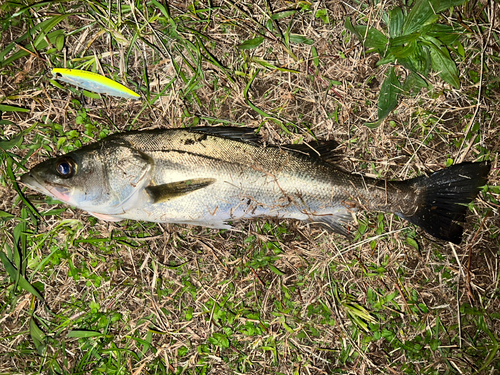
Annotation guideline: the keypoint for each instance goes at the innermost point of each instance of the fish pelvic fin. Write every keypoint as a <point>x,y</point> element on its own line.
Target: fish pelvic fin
<point>166,192</point>
<point>443,198</point>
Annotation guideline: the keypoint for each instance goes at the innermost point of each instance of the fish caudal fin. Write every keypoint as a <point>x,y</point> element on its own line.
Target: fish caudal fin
<point>444,196</point>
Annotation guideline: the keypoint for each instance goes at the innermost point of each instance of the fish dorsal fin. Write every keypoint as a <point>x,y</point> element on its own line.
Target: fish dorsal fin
<point>325,150</point>
<point>166,192</point>
<point>231,132</point>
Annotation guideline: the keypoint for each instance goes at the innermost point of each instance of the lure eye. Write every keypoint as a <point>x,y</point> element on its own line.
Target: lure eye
<point>65,167</point>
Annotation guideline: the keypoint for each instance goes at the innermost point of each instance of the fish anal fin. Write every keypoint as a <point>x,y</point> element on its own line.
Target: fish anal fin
<point>335,222</point>
<point>166,192</point>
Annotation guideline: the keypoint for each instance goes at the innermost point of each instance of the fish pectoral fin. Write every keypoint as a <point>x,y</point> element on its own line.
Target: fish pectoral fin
<point>166,192</point>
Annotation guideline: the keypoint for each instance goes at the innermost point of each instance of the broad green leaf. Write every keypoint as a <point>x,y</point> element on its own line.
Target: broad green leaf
<point>389,93</point>
<point>422,13</point>
<point>395,22</point>
<point>409,63</point>
<point>388,99</point>
<point>448,35</point>
<point>251,43</point>
<point>11,108</point>
<point>419,61</point>
<point>444,65</point>
<point>442,5</point>
<point>404,39</point>
<point>372,38</point>
<point>410,241</point>
<point>404,51</point>
<point>14,274</point>
<point>387,60</point>
<point>300,39</point>
<point>424,57</point>
<point>376,40</point>
<point>413,84</point>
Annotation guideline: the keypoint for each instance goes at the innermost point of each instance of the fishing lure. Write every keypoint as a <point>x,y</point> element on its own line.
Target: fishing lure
<point>93,82</point>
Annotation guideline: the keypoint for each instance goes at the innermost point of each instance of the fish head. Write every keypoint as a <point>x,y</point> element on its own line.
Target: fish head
<point>105,179</point>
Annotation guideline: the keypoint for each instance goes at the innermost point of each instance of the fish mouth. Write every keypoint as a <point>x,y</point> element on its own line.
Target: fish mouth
<point>56,191</point>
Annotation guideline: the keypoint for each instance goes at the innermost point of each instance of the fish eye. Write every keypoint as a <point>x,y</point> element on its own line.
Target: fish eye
<point>65,167</point>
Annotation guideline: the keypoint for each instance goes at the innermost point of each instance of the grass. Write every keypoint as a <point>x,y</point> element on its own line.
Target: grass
<point>80,296</point>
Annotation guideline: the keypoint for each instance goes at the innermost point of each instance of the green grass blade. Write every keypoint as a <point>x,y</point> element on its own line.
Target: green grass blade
<point>44,26</point>
<point>260,111</point>
<point>14,142</point>
<point>300,39</point>
<point>11,108</point>
<point>15,274</point>
<point>81,333</point>
<point>13,180</point>
<point>38,336</point>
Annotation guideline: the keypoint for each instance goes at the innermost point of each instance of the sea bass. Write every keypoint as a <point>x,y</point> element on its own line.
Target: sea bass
<point>212,176</point>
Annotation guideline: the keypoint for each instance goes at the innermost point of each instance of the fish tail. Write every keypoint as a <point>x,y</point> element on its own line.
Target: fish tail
<point>443,198</point>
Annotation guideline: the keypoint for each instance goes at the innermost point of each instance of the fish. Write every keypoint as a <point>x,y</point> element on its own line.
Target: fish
<point>93,82</point>
<point>216,176</point>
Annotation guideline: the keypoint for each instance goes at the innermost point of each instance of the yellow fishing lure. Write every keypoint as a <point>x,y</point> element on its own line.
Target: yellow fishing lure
<point>93,82</point>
